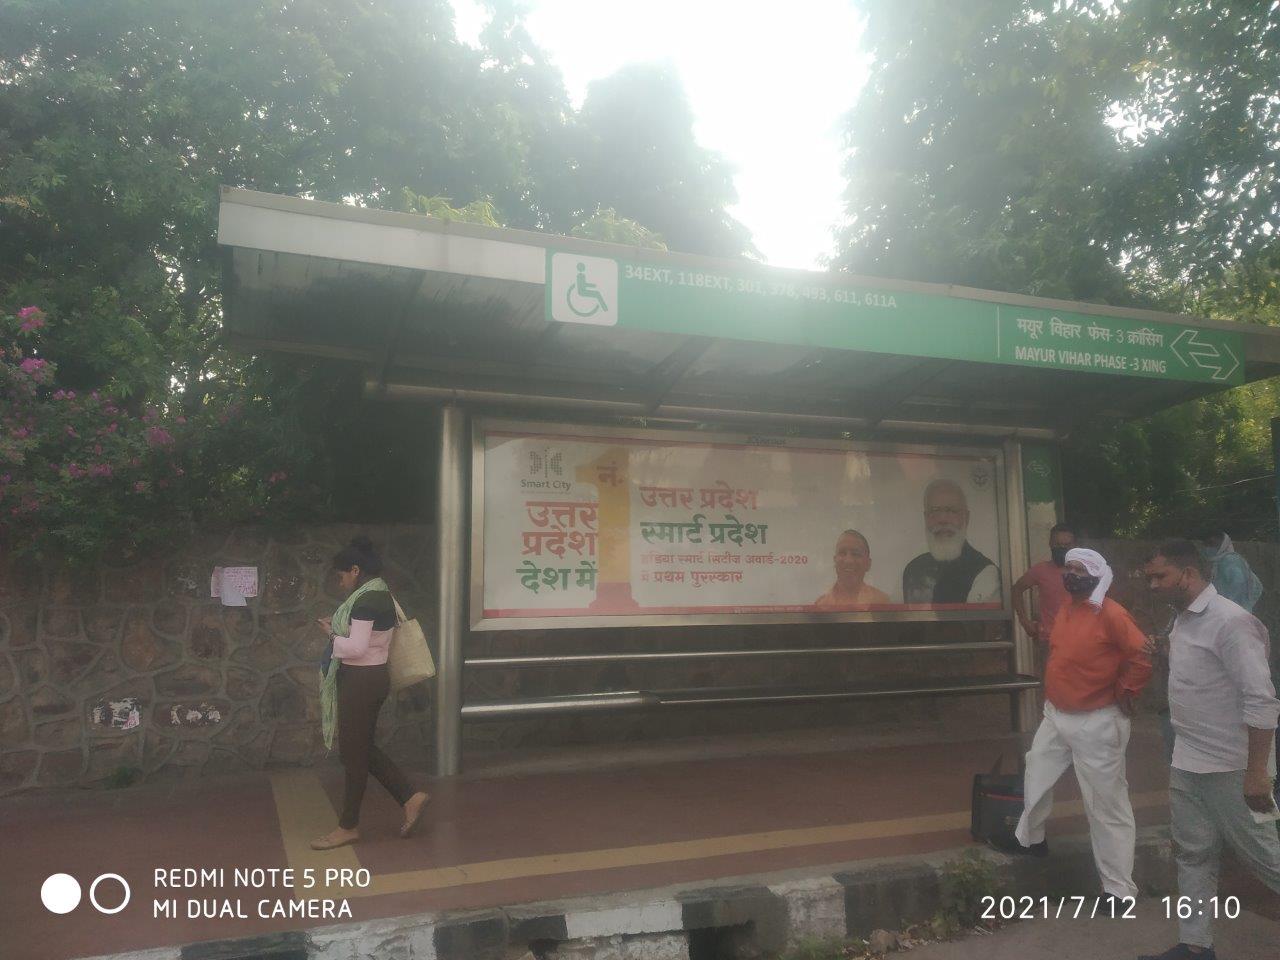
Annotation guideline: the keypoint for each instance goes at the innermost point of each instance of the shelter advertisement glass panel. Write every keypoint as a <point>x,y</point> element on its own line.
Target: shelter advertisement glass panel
<point>625,526</point>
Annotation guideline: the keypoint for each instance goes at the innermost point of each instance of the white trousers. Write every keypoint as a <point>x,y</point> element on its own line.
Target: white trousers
<point>1094,743</point>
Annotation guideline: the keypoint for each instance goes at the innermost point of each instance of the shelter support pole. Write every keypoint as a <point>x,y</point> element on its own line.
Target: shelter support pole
<point>1022,703</point>
<point>451,582</point>
<point>1275,463</point>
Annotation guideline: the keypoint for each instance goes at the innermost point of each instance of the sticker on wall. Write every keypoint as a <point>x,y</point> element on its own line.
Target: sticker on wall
<point>233,584</point>
<point>117,714</point>
<point>183,715</point>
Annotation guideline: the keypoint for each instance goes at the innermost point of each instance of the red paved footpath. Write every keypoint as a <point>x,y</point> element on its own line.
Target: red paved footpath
<point>495,841</point>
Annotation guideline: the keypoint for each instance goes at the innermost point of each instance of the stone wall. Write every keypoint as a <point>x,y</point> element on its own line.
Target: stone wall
<point>119,673</point>
<point>113,674</point>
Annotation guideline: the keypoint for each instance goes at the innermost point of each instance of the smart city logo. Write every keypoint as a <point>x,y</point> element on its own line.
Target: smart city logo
<point>584,290</point>
<point>546,463</point>
<point>61,893</point>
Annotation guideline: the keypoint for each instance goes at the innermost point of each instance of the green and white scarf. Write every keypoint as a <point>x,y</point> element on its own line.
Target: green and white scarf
<point>340,625</point>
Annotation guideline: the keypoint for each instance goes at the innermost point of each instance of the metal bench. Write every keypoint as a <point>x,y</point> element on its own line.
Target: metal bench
<point>626,700</point>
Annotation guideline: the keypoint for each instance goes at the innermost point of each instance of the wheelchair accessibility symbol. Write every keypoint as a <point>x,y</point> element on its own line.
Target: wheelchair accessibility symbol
<point>583,289</point>
<point>584,297</point>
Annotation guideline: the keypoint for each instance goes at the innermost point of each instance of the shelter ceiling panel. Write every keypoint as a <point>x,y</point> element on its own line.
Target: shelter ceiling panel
<point>328,302</point>
<point>777,366</point>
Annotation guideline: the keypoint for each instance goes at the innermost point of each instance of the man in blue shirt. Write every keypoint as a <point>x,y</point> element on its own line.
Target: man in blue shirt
<point>1230,574</point>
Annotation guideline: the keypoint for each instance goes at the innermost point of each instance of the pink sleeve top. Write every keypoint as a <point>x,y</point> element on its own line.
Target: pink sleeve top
<point>373,620</point>
<point>366,647</point>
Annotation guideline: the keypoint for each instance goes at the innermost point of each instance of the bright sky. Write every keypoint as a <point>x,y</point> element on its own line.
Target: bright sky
<point>768,84</point>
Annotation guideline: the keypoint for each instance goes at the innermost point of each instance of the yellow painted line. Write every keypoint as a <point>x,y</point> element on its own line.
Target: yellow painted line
<point>559,863</point>
<point>306,813</point>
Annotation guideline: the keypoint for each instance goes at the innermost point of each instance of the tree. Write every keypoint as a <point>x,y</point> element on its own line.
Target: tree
<point>976,152</point>
<point>634,151</point>
<point>985,150</point>
<point>1205,119</point>
<point>120,119</point>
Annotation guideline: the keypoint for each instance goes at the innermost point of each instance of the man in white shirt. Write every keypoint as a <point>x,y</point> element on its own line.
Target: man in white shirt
<point>1224,710</point>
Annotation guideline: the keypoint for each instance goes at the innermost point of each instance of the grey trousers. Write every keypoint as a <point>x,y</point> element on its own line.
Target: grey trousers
<point>1207,809</point>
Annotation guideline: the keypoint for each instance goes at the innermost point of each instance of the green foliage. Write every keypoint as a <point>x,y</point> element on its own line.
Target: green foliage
<point>1205,116</point>
<point>80,471</point>
<point>822,948</point>
<point>120,120</point>
<point>606,225</point>
<point>965,881</point>
<point>634,152</point>
<point>477,211</point>
<point>1122,153</point>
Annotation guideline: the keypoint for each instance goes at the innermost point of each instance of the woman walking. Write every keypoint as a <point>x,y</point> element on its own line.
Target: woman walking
<point>358,682</point>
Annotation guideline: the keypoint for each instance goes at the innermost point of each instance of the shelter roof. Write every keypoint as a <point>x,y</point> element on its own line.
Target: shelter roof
<point>448,310</point>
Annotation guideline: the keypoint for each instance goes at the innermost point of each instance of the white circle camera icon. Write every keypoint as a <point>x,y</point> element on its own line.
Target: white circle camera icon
<point>93,893</point>
<point>61,893</point>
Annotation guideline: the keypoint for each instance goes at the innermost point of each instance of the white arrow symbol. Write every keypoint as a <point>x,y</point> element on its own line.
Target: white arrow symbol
<point>1206,355</point>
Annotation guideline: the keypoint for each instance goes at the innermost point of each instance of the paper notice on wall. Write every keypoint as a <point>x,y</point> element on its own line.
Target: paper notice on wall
<point>233,584</point>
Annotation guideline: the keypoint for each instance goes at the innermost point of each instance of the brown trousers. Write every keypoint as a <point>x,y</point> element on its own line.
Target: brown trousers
<point>361,693</point>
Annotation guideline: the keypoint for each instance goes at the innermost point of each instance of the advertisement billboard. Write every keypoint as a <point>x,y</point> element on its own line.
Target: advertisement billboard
<point>579,526</point>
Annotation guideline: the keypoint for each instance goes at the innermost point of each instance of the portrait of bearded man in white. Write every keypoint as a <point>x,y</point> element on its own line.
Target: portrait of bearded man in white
<point>951,571</point>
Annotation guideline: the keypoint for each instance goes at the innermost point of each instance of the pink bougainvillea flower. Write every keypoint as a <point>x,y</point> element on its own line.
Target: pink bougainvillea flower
<point>159,437</point>
<point>33,323</point>
<point>26,312</point>
<point>59,394</point>
<point>31,365</point>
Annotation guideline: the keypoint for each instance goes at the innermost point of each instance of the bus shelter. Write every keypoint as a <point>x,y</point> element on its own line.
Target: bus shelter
<point>631,437</point>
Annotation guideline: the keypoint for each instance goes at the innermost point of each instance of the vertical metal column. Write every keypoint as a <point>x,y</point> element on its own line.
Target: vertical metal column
<point>451,574</point>
<point>1023,702</point>
<point>1275,462</point>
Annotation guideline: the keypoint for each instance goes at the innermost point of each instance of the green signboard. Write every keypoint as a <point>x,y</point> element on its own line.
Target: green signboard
<point>748,304</point>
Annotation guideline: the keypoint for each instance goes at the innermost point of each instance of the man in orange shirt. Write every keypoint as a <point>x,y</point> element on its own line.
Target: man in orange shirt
<point>1097,666</point>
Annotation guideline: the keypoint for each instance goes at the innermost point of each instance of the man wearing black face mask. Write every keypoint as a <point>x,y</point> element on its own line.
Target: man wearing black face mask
<point>1046,578</point>
<point>1097,667</point>
<point>1224,710</point>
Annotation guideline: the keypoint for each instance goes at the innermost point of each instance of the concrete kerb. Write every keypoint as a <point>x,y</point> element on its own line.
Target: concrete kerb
<point>758,914</point>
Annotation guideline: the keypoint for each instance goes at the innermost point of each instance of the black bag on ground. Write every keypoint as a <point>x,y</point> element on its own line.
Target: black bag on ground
<point>996,807</point>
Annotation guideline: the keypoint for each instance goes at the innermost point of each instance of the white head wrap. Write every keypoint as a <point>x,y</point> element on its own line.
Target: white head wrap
<point>1097,567</point>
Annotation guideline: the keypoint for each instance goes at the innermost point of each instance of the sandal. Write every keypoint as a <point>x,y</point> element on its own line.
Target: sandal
<point>335,839</point>
<point>411,819</point>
